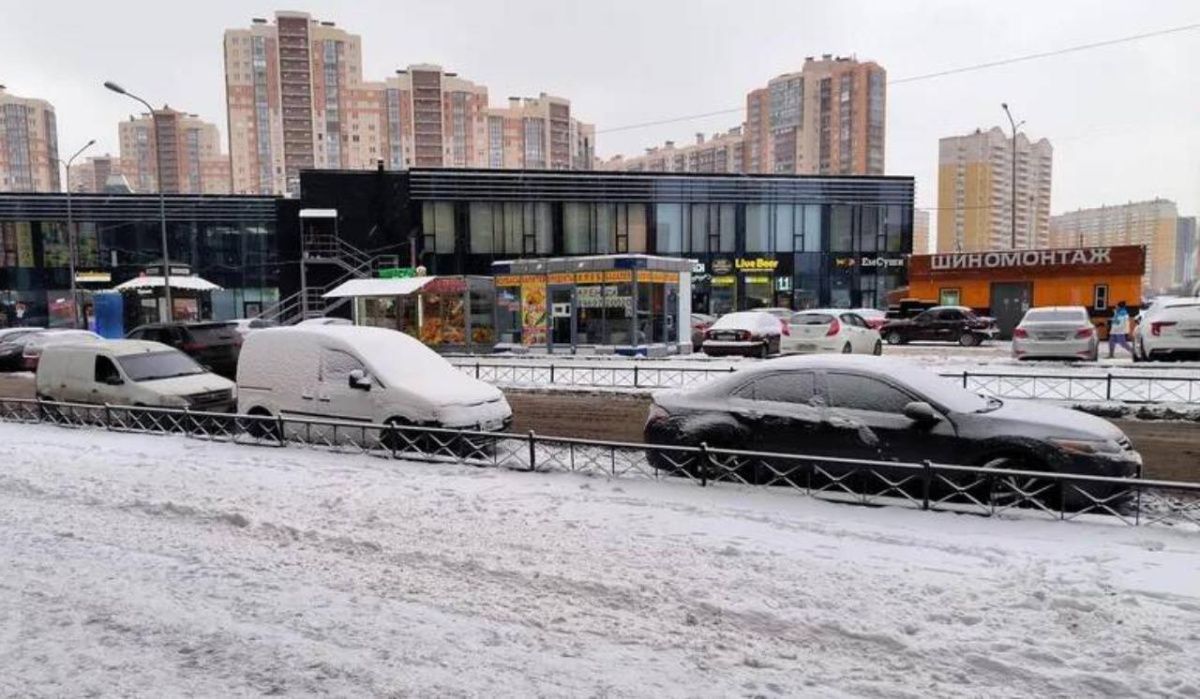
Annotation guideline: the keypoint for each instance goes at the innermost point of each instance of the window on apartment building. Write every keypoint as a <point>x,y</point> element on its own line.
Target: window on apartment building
<point>1100,297</point>
<point>949,297</point>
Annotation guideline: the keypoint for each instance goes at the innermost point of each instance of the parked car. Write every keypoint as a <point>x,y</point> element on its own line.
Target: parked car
<point>831,330</point>
<point>875,318</point>
<point>12,346</point>
<point>361,374</point>
<point>131,372</point>
<point>1168,330</point>
<point>941,324</point>
<point>1056,331</point>
<point>31,351</point>
<point>745,333</point>
<point>700,323</point>
<point>214,344</point>
<point>883,409</point>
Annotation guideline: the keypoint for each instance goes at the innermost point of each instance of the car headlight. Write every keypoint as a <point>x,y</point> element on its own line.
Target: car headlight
<point>1086,446</point>
<point>175,402</point>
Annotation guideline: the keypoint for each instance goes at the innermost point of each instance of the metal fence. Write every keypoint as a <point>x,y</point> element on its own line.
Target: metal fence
<point>925,486</point>
<point>1093,387</point>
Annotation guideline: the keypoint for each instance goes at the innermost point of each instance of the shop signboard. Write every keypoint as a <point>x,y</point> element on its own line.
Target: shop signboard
<point>756,265</point>
<point>1114,260</point>
<point>603,297</point>
<point>721,267</point>
<point>533,310</point>
<point>397,272</point>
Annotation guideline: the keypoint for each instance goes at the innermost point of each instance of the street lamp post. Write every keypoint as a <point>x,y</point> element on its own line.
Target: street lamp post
<point>162,199</point>
<point>71,245</point>
<point>1013,196</point>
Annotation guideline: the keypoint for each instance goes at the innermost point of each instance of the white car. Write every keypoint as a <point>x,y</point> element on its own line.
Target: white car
<point>745,333</point>
<point>361,374</point>
<point>325,321</point>
<point>1169,330</point>
<point>831,330</point>
<point>130,372</point>
<point>1056,331</point>
<point>34,346</point>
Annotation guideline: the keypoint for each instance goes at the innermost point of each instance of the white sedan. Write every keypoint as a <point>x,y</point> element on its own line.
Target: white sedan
<point>831,330</point>
<point>1170,330</point>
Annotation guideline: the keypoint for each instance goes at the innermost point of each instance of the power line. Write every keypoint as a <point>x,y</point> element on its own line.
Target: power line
<point>939,74</point>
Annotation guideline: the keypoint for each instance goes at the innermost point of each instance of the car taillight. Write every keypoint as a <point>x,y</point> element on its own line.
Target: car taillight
<point>1020,334</point>
<point>191,347</point>
<point>1083,333</point>
<point>1156,327</point>
<point>834,328</point>
<point>783,327</point>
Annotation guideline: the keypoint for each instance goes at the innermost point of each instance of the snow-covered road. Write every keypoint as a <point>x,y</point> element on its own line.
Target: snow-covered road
<point>140,565</point>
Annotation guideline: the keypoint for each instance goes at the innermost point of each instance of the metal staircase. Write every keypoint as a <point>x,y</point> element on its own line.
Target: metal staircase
<point>310,301</point>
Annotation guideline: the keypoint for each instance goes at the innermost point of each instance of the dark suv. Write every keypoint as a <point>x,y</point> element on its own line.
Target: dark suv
<point>215,345</point>
<point>941,324</point>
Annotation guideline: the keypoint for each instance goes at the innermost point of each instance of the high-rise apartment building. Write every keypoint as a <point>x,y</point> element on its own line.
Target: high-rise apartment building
<point>188,149</point>
<point>295,100</point>
<point>1187,252</point>
<point>921,232</point>
<point>826,119</point>
<point>721,153</point>
<point>93,174</point>
<point>28,145</point>
<point>1153,224</point>
<point>975,192</point>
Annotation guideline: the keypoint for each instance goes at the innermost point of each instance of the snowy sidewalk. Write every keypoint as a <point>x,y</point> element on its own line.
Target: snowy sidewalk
<point>163,566</point>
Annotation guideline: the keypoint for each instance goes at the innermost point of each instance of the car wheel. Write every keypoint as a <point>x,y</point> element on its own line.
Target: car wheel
<point>895,338</point>
<point>847,349</point>
<point>968,340</point>
<point>263,427</point>
<point>878,349</point>
<point>1018,491</point>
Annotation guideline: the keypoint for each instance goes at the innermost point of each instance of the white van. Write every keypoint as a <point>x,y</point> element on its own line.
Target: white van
<point>130,372</point>
<point>361,374</point>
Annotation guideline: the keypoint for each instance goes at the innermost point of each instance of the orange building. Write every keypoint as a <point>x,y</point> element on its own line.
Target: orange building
<point>1006,283</point>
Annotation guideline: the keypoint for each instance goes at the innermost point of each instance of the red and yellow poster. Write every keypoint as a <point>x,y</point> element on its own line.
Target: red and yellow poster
<point>533,312</point>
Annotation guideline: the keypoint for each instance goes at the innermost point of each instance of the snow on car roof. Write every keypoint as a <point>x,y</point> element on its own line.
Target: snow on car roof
<point>746,320</point>
<point>1182,302</point>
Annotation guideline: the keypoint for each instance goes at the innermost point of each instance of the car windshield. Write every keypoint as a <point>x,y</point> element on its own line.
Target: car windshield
<point>1054,316</point>
<point>158,365</point>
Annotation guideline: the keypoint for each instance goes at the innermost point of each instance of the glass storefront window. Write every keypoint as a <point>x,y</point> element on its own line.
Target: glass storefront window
<point>577,229</point>
<point>482,228</point>
<point>783,227</point>
<point>868,229</point>
<point>728,228</point>
<point>841,229</point>
<point>618,314</point>
<point>760,290</point>
<point>669,223</point>
<point>700,224</point>
<point>482,300</point>
<point>635,228</point>
<point>723,295</point>
<point>508,314</point>
<point>758,229</point>
<point>812,228</point>
<point>893,228</point>
<point>437,223</point>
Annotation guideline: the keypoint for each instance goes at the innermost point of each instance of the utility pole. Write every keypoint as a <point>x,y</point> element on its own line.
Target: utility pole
<point>1013,196</point>
<point>162,199</point>
<point>71,244</point>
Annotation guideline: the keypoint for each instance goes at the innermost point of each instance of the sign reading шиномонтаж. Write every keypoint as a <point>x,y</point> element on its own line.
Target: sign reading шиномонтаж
<point>1026,258</point>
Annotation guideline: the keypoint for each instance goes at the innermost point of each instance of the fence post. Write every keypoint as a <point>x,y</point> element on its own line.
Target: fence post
<point>964,379</point>
<point>532,451</point>
<point>635,375</point>
<point>279,430</point>
<point>477,370</point>
<point>703,464</point>
<point>107,416</point>
<point>1108,387</point>
<point>551,373</point>
<point>926,483</point>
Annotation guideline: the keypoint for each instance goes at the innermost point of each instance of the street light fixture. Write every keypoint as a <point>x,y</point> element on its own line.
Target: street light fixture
<point>162,200</point>
<point>1013,195</point>
<point>71,245</point>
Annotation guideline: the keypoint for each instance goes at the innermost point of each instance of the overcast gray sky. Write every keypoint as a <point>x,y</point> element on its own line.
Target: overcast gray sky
<point>1124,120</point>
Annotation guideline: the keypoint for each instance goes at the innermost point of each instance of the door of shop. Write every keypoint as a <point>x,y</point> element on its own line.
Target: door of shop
<point>562,318</point>
<point>1009,301</point>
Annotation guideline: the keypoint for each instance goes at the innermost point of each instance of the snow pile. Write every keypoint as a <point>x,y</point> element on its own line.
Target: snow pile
<point>163,566</point>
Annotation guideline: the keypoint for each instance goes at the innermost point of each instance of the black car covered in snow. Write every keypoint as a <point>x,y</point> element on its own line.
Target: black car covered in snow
<point>941,324</point>
<point>871,408</point>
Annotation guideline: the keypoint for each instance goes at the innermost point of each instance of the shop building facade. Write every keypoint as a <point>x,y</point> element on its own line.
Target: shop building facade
<point>757,241</point>
<point>227,240</point>
<point>1006,283</point>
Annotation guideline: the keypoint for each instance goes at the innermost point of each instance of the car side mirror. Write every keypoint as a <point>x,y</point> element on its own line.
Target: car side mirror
<point>921,413</point>
<point>359,380</point>
<point>114,381</point>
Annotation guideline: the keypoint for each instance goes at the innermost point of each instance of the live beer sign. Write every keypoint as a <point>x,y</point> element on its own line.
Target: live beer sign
<point>1020,264</point>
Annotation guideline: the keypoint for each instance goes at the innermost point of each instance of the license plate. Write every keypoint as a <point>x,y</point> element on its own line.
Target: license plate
<point>1054,337</point>
<point>726,336</point>
<point>804,347</point>
<point>491,425</point>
